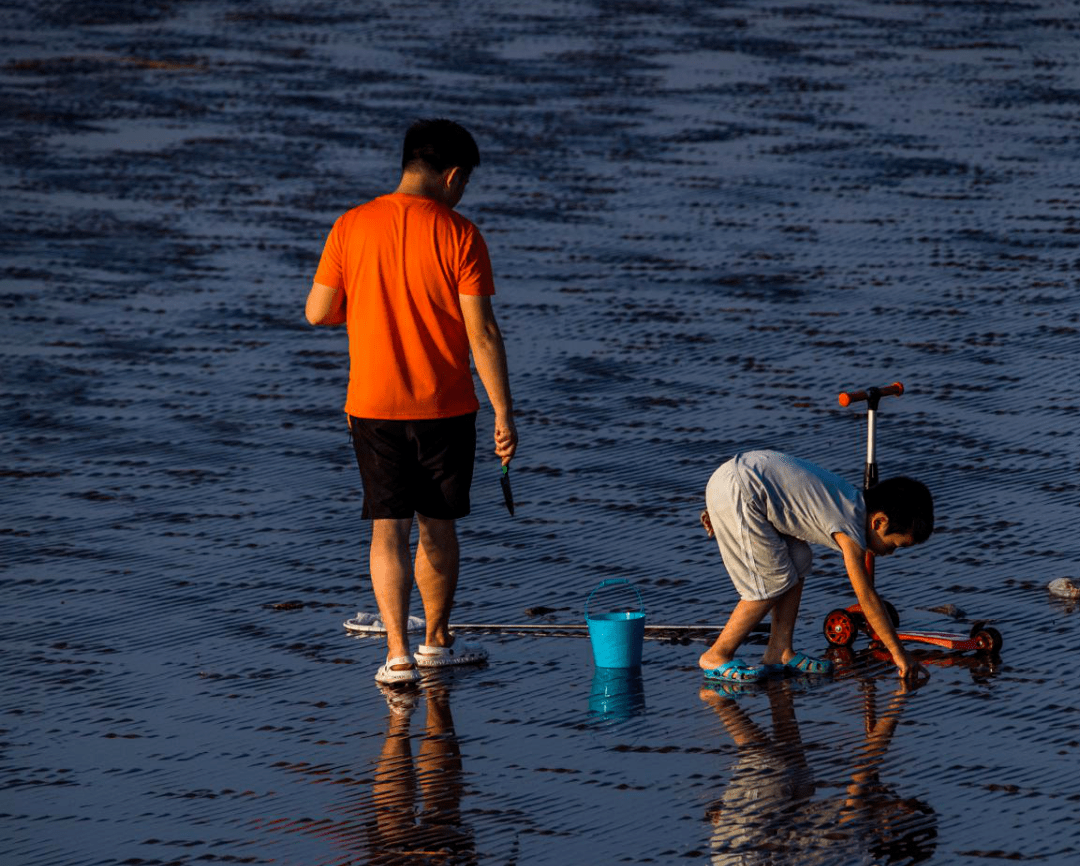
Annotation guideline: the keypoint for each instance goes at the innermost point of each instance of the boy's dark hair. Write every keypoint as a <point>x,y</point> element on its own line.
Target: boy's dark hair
<point>440,144</point>
<point>906,503</point>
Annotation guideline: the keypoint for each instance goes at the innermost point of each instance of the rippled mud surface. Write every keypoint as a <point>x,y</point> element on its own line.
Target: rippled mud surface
<point>706,219</point>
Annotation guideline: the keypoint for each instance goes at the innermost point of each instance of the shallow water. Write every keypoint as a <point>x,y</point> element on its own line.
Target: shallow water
<point>706,220</point>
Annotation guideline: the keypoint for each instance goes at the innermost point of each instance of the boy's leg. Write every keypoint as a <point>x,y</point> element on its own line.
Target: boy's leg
<point>391,579</point>
<point>746,615</point>
<point>781,650</point>
<point>781,634</point>
<point>755,556</point>
<point>437,561</point>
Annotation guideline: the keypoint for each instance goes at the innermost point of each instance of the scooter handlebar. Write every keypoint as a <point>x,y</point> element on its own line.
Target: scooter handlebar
<point>849,397</point>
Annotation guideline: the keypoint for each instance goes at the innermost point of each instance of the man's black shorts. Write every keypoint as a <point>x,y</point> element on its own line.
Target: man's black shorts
<point>415,467</point>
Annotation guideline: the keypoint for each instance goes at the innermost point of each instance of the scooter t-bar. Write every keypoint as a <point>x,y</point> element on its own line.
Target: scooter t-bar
<point>872,396</point>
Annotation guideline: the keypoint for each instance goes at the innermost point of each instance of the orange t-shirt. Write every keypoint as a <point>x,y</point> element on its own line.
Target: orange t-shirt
<point>402,261</point>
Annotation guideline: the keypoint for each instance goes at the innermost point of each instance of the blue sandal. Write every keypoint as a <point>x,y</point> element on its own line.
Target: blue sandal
<point>736,671</point>
<point>805,664</point>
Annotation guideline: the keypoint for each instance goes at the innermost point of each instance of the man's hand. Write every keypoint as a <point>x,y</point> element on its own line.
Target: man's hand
<point>489,356</point>
<point>506,438</point>
<point>707,524</point>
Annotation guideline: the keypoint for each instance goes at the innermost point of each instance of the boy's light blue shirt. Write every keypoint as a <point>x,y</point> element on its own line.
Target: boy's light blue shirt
<point>803,500</point>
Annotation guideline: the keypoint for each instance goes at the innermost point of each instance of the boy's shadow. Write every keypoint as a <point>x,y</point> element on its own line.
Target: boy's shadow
<point>769,815</point>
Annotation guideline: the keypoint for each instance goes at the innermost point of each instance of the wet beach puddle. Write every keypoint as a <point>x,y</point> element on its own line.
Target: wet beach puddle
<point>705,222</point>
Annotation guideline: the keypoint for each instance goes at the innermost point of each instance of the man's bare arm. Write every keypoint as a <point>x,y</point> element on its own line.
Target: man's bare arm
<point>325,305</point>
<point>489,355</point>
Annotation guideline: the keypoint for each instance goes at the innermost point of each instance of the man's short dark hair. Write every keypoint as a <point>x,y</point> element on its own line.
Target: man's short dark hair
<point>906,503</point>
<point>439,145</point>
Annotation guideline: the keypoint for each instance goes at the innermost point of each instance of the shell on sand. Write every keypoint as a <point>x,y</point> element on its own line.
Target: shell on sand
<point>1064,588</point>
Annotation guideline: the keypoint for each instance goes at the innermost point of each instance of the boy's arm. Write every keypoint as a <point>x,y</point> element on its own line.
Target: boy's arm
<point>325,305</point>
<point>873,607</point>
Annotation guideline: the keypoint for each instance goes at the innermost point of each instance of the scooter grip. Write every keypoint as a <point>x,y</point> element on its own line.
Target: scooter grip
<point>849,397</point>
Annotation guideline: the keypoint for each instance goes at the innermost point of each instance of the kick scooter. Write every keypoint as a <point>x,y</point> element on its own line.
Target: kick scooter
<point>843,624</point>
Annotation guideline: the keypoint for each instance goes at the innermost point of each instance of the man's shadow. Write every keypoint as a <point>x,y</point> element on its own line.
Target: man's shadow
<point>416,800</point>
<point>769,812</point>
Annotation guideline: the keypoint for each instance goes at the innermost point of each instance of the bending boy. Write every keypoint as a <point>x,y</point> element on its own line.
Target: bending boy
<point>765,509</point>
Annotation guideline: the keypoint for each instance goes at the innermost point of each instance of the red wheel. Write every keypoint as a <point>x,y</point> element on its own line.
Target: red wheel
<point>987,640</point>
<point>840,628</point>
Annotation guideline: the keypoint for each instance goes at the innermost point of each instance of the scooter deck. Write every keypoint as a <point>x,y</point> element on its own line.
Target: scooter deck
<point>948,640</point>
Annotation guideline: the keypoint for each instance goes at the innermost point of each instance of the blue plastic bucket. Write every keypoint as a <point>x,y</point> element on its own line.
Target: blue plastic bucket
<point>617,637</point>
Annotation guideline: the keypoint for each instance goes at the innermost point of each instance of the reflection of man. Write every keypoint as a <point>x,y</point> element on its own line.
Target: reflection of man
<point>406,830</point>
<point>768,813</point>
<point>412,281</point>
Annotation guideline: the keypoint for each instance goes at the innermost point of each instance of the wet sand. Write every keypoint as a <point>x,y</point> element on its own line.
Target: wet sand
<point>705,221</point>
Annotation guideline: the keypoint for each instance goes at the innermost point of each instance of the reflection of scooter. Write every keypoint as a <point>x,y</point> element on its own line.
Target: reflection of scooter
<point>843,624</point>
<point>858,663</point>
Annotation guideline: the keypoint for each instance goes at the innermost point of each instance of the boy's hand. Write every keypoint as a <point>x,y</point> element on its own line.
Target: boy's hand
<point>909,668</point>
<point>707,524</point>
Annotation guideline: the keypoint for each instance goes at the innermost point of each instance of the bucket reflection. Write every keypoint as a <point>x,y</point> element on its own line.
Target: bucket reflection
<point>617,693</point>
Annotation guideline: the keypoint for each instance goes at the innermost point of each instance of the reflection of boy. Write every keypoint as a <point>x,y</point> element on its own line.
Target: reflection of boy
<point>897,829</point>
<point>770,779</point>
<point>765,509</point>
<point>769,813</point>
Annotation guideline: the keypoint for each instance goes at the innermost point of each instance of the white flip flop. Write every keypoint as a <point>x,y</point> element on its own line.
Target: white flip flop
<point>460,653</point>
<point>370,623</point>
<point>387,675</point>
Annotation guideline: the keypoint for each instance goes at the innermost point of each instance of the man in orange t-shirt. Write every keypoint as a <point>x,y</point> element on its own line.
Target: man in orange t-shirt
<point>411,280</point>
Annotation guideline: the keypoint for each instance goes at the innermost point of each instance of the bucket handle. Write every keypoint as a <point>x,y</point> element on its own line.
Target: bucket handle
<point>612,581</point>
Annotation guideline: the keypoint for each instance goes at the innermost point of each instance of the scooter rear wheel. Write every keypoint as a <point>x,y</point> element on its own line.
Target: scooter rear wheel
<point>840,628</point>
<point>987,639</point>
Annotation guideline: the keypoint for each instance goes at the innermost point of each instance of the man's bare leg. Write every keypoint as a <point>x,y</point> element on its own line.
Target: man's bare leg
<point>437,561</point>
<point>392,579</point>
<point>746,615</point>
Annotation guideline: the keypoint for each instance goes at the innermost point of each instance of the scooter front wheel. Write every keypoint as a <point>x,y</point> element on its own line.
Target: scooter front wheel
<point>840,628</point>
